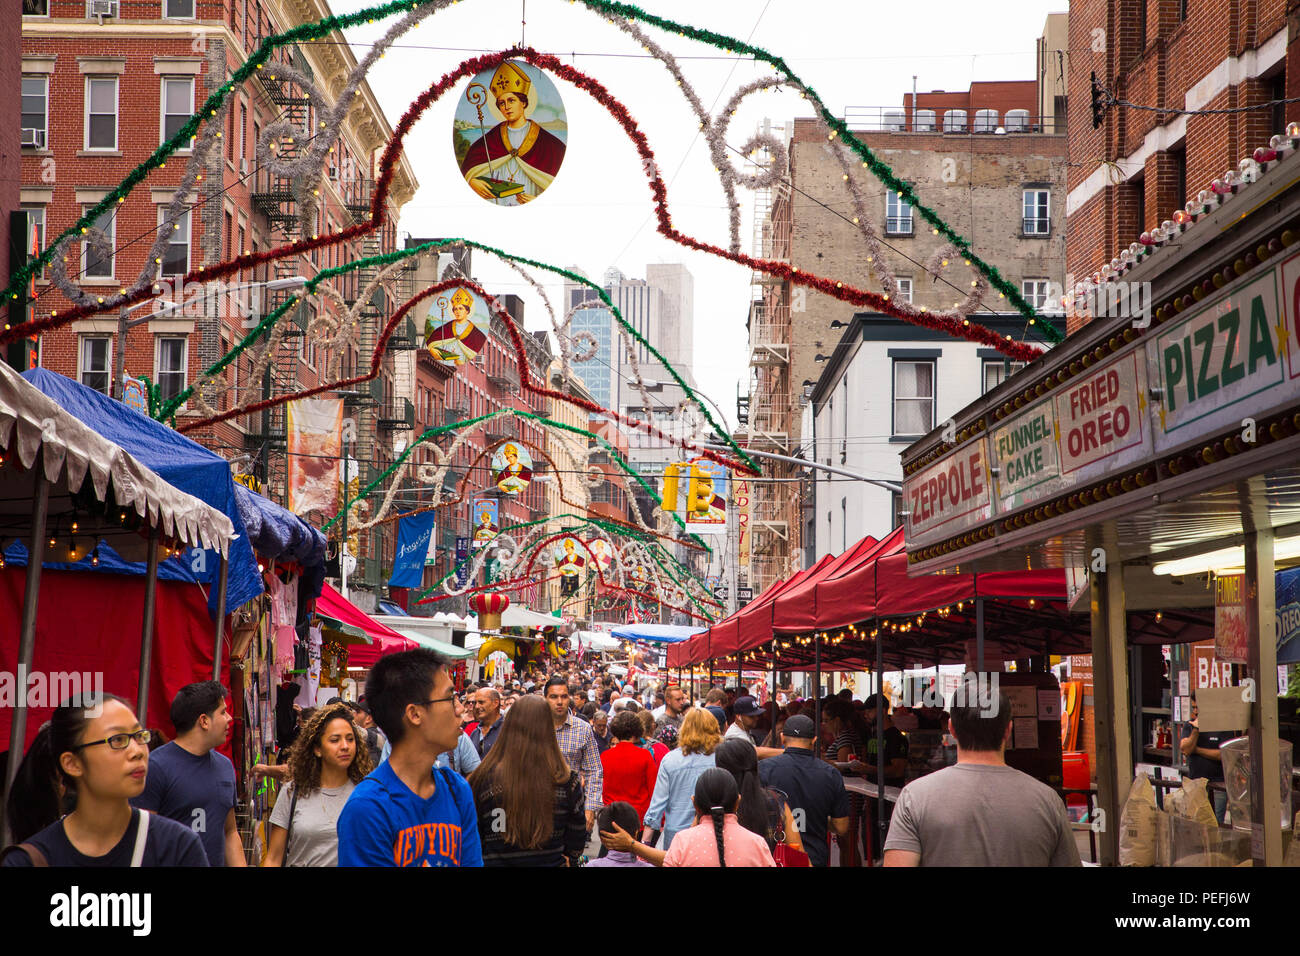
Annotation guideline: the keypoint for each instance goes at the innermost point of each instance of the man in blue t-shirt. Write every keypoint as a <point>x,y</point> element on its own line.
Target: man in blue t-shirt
<point>189,781</point>
<point>408,812</point>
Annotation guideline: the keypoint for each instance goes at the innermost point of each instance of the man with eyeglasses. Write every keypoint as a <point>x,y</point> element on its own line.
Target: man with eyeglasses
<point>409,812</point>
<point>190,782</point>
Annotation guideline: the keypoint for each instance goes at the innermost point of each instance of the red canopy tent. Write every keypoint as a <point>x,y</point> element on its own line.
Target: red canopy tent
<point>849,595</point>
<point>351,620</point>
<point>757,619</point>
<point>795,608</point>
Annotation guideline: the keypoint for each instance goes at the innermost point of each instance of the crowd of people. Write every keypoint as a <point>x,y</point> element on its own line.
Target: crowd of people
<point>567,769</point>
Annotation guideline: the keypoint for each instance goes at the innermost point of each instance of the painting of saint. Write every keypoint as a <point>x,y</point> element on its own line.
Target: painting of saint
<point>568,560</point>
<point>512,468</point>
<point>456,340</point>
<point>485,522</point>
<point>515,160</point>
<point>600,551</point>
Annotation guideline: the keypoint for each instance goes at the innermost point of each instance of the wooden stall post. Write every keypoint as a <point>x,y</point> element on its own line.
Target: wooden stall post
<point>1110,692</point>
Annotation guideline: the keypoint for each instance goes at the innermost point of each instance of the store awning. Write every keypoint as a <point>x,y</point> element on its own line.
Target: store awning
<point>795,608</point>
<point>337,613</point>
<point>279,535</point>
<point>656,633</point>
<point>757,617</point>
<point>83,466</point>
<point>433,644</point>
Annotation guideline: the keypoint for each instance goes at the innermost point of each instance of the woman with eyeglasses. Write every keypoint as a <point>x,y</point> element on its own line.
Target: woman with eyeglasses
<point>92,756</point>
<point>328,759</point>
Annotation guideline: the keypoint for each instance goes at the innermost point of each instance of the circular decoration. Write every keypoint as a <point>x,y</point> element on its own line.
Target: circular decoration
<point>512,467</point>
<point>601,554</point>
<point>456,338</point>
<point>569,558</point>
<point>510,133</point>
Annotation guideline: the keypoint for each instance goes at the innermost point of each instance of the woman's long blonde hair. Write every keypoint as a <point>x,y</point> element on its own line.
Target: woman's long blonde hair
<point>699,733</point>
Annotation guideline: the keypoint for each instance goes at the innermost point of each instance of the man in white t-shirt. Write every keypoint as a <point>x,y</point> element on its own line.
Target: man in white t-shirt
<point>747,711</point>
<point>980,812</point>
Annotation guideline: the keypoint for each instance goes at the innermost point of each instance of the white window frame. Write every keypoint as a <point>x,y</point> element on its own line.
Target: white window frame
<point>42,215</point>
<point>157,361</point>
<point>112,238</point>
<point>1043,223</point>
<point>82,341</point>
<point>895,398</point>
<point>45,15</point>
<point>186,227</point>
<point>1001,369</point>
<point>904,288</point>
<point>91,79</point>
<point>894,201</point>
<point>1036,292</point>
<point>170,16</point>
<point>162,108</point>
<point>45,126</point>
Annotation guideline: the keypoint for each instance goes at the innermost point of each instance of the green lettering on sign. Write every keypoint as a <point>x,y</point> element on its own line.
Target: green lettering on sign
<point>1261,336</point>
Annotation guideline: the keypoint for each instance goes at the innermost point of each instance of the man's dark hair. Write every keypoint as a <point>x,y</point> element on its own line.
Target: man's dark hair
<point>398,680</point>
<point>620,812</point>
<point>974,730</point>
<point>556,681</point>
<point>193,701</point>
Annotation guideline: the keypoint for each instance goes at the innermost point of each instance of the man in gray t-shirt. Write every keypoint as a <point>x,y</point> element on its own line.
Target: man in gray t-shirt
<point>980,812</point>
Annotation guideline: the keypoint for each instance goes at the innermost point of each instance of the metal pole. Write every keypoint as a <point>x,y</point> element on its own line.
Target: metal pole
<point>119,357</point>
<point>733,555</point>
<point>979,635</point>
<point>817,680</point>
<point>1268,810</point>
<point>805,463</point>
<point>881,832</point>
<point>343,545</point>
<point>146,628</point>
<point>774,647</point>
<point>1110,692</point>
<point>223,577</point>
<point>27,635</point>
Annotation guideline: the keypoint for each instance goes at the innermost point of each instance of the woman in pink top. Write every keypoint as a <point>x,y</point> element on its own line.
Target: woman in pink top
<point>717,839</point>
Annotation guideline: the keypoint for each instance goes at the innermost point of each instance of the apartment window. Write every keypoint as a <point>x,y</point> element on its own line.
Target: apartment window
<point>1035,293</point>
<point>1037,212</point>
<point>95,361</point>
<point>178,9</point>
<point>898,215</point>
<point>35,231</point>
<point>101,112</point>
<point>904,288</point>
<point>997,370</point>
<point>36,8</point>
<point>177,104</point>
<point>1179,156</point>
<point>243,130</point>
<point>93,265</point>
<point>913,397</point>
<point>36,111</point>
<point>176,257</point>
<point>169,366</point>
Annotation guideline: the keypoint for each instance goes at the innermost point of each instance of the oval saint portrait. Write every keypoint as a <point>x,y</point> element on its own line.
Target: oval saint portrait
<point>570,558</point>
<point>453,329</point>
<point>510,133</point>
<point>512,467</point>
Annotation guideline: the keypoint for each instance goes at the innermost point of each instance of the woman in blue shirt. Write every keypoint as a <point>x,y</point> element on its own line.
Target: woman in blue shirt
<point>670,805</point>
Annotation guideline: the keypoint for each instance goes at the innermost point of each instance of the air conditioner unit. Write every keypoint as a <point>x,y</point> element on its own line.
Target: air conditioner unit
<point>33,137</point>
<point>103,8</point>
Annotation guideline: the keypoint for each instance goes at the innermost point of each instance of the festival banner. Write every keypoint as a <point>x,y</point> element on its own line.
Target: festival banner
<point>485,517</point>
<point>413,535</point>
<point>740,500</point>
<point>707,485</point>
<point>315,443</point>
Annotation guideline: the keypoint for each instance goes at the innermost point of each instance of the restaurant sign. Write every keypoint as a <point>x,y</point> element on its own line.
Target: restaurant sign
<point>1101,417</point>
<point>1024,456</point>
<point>1222,363</point>
<point>949,496</point>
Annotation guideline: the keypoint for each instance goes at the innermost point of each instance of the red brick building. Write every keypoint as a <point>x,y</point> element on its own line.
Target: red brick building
<point>104,83</point>
<point>1141,165</point>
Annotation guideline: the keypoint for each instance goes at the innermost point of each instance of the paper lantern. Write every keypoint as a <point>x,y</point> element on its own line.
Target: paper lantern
<point>489,606</point>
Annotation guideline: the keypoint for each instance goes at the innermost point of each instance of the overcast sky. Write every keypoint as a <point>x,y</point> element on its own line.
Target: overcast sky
<point>598,213</point>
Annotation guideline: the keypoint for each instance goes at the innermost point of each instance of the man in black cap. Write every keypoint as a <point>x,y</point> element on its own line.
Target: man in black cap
<point>747,711</point>
<point>814,788</point>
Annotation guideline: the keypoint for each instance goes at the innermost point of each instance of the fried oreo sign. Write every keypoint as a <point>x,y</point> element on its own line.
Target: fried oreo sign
<point>951,495</point>
<point>1101,413</point>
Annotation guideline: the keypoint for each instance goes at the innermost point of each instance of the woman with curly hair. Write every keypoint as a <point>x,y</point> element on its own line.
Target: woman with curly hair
<point>530,804</point>
<point>328,759</point>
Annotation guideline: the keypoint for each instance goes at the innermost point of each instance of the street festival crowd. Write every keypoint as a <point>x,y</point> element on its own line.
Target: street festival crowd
<point>577,768</point>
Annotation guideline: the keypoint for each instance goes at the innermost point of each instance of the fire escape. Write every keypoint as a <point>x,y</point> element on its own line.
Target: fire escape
<point>274,197</point>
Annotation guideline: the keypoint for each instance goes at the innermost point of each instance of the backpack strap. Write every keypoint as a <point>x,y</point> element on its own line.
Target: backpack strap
<point>33,854</point>
<point>141,837</point>
<point>288,835</point>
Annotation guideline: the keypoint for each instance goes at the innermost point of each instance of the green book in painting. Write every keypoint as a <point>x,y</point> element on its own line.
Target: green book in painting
<point>500,188</point>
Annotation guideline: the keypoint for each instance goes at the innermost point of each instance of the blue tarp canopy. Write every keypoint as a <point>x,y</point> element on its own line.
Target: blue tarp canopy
<point>280,535</point>
<point>180,462</point>
<point>656,633</point>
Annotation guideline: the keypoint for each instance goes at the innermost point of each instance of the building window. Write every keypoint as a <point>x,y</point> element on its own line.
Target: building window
<point>169,366</point>
<point>101,112</point>
<point>177,104</point>
<point>35,242</point>
<point>36,8</point>
<point>95,361</point>
<point>1037,212</point>
<point>904,288</point>
<point>997,370</point>
<point>898,215</point>
<point>913,397</point>
<point>36,111</point>
<point>176,257</point>
<point>93,265</point>
<point>178,10</point>
<point>1035,293</point>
